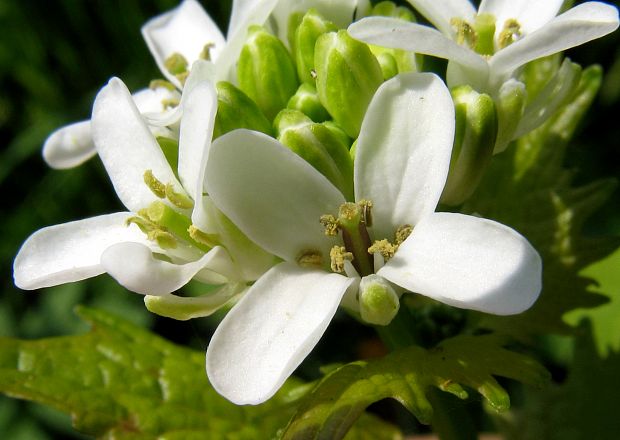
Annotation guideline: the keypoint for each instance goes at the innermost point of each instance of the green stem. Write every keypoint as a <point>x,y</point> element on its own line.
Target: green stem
<point>451,420</point>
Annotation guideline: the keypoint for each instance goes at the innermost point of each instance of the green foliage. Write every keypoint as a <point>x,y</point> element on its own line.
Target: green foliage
<point>409,375</point>
<point>123,382</point>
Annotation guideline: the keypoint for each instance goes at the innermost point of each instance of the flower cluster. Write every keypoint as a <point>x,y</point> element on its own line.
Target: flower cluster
<point>298,167</point>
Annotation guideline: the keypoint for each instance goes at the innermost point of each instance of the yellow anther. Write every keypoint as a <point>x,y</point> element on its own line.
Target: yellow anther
<point>384,247</point>
<point>164,239</point>
<point>465,33</point>
<point>176,64</point>
<point>201,237</point>
<point>510,33</point>
<point>310,258</point>
<point>338,255</point>
<point>366,206</point>
<point>177,199</point>
<point>402,233</point>
<point>170,102</point>
<point>206,51</point>
<point>145,225</point>
<point>161,83</point>
<point>155,185</point>
<point>330,223</point>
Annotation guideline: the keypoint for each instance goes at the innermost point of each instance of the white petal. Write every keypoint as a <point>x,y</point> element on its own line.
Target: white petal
<point>441,12</point>
<point>468,262</point>
<point>185,30</point>
<point>271,330</point>
<point>399,34</point>
<point>530,14</point>
<point>127,147</point>
<point>577,26</point>
<point>184,308</point>
<point>134,266</point>
<point>69,146</point>
<point>70,251</point>
<point>245,13</point>
<point>403,151</point>
<point>274,196</point>
<point>196,131</point>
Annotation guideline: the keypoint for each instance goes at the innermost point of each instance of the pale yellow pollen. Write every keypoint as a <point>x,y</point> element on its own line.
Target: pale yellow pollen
<point>176,64</point>
<point>338,255</point>
<point>310,259</point>
<point>465,33</point>
<point>348,211</point>
<point>384,247</point>
<point>164,239</point>
<point>402,233</point>
<point>170,102</point>
<point>177,199</point>
<point>200,236</point>
<point>510,33</point>
<point>155,185</point>
<point>330,223</point>
<point>161,83</point>
<point>154,232</point>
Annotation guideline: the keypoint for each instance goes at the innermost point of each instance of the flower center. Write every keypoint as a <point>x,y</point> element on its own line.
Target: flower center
<point>480,35</point>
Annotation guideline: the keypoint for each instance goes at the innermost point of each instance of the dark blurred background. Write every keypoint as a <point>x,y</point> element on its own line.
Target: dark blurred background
<point>54,57</point>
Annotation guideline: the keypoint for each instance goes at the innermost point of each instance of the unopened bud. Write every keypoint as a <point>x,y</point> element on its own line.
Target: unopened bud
<point>378,301</point>
<point>265,71</point>
<point>236,110</point>
<point>312,26</point>
<point>318,145</point>
<point>348,74</point>
<point>307,101</point>
<point>510,105</point>
<point>476,129</point>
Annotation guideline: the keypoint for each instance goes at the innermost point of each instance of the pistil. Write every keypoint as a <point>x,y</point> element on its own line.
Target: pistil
<point>355,237</point>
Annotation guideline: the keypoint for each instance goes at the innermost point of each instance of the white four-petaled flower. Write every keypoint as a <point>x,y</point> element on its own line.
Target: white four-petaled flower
<point>277,199</point>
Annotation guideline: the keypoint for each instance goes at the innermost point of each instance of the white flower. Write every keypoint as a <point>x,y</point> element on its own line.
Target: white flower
<point>401,164</point>
<point>114,243</point>
<point>485,47</point>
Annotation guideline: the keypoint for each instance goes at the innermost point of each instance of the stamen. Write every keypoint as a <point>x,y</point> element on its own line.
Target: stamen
<point>159,83</point>
<point>176,64</point>
<point>164,240</point>
<point>206,51</point>
<point>338,255</point>
<point>310,259</point>
<point>465,33</point>
<point>170,102</point>
<point>330,223</point>
<point>366,206</point>
<point>384,247</point>
<point>402,233</point>
<point>177,199</point>
<point>201,237</point>
<point>510,33</point>
<point>155,185</point>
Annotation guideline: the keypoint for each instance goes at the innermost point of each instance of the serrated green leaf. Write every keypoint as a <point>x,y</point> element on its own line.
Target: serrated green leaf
<point>120,381</point>
<point>408,375</point>
<point>528,188</point>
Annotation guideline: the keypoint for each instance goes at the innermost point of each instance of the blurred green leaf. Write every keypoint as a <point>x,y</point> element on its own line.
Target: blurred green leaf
<point>408,375</point>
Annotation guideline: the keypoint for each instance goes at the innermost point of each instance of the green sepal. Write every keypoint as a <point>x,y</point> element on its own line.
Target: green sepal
<point>409,375</point>
<point>509,105</point>
<point>306,100</point>
<point>265,71</point>
<point>318,145</point>
<point>474,140</point>
<point>236,110</point>
<point>312,26</point>
<point>348,74</point>
<point>170,148</point>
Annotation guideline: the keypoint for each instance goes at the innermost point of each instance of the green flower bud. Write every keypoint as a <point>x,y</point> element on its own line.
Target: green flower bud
<point>348,74</point>
<point>235,110</point>
<point>476,129</point>
<point>379,302</point>
<point>388,64</point>
<point>293,24</point>
<point>510,104</point>
<point>390,9</point>
<point>307,101</point>
<point>312,26</point>
<point>265,71</point>
<point>319,145</point>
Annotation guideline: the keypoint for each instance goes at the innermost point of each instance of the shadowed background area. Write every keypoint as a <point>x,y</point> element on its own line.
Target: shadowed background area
<point>54,57</point>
